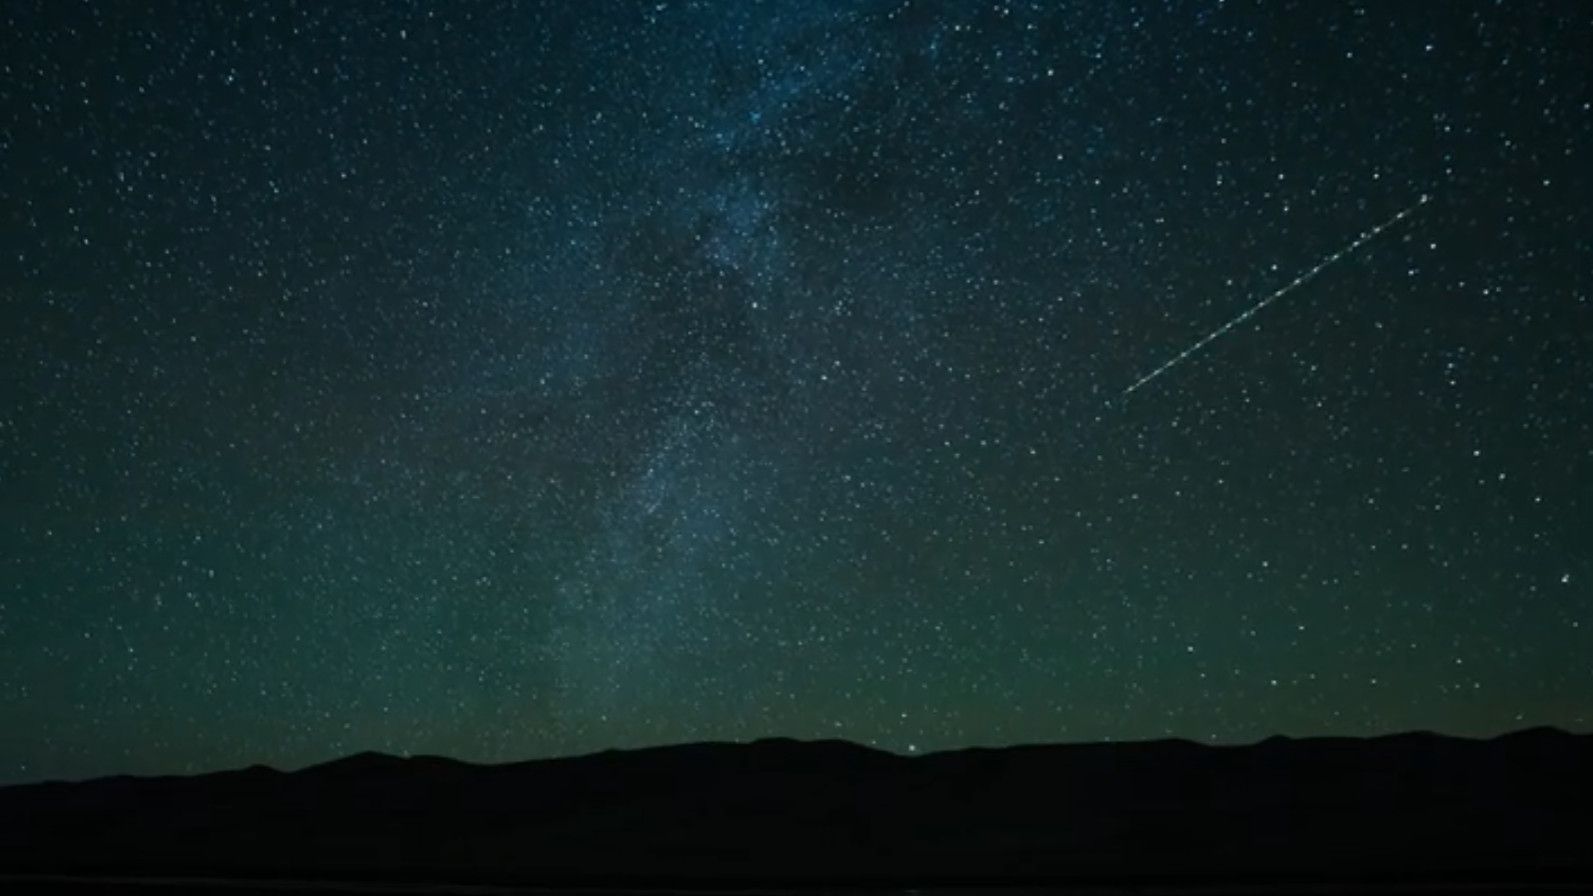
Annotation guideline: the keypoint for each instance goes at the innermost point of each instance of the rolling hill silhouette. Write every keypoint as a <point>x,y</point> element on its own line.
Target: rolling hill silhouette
<point>1412,806</point>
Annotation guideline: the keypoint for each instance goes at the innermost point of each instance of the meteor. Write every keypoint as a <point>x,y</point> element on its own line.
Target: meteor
<point>1363,239</point>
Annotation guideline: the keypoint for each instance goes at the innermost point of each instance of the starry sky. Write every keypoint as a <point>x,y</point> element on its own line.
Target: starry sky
<point>507,380</point>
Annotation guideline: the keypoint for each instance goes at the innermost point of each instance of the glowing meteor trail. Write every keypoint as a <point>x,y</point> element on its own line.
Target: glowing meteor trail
<point>1360,241</point>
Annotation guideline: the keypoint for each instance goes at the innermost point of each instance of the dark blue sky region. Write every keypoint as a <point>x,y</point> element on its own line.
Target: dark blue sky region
<point>511,380</point>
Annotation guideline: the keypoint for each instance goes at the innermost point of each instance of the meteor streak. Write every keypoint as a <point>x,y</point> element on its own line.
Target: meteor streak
<point>1297,282</point>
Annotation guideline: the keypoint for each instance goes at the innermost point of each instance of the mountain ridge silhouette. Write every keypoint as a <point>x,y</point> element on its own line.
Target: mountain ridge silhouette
<point>1414,804</point>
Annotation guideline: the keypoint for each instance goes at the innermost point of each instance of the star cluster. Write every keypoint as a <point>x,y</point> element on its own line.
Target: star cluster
<point>519,379</point>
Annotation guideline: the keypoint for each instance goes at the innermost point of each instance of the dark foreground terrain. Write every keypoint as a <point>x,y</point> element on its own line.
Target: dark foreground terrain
<point>1399,814</point>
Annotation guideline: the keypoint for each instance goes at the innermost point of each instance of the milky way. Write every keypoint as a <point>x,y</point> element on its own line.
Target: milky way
<point>519,379</point>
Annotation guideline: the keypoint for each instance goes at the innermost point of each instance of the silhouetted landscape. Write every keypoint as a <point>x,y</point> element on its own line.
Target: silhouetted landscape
<point>1410,808</point>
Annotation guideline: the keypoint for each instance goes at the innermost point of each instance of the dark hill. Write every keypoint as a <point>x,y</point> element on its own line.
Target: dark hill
<point>1416,806</point>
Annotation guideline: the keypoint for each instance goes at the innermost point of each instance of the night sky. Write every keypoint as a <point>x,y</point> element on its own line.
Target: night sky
<point>515,380</point>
